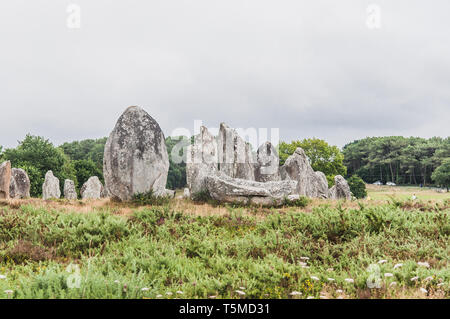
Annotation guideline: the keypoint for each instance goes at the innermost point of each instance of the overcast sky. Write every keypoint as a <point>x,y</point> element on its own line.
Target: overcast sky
<point>309,68</point>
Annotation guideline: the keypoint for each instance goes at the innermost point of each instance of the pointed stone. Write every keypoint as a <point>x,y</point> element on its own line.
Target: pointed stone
<point>341,189</point>
<point>201,160</point>
<point>235,155</point>
<point>135,159</point>
<point>309,183</point>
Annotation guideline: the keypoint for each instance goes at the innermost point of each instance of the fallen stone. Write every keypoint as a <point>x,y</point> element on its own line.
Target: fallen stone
<point>20,184</point>
<point>50,188</point>
<point>235,155</point>
<point>69,190</point>
<point>268,164</point>
<point>135,158</point>
<point>234,190</point>
<point>341,189</point>
<point>309,183</point>
<point>92,189</point>
<point>201,161</point>
<point>5,179</point>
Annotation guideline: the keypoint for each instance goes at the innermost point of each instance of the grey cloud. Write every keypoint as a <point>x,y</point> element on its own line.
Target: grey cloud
<point>311,68</point>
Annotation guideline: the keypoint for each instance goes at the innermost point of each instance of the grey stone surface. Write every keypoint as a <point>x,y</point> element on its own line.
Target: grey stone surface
<point>5,179</point>
<point>186,193</point>
<point>234,190</point>
<point>235,155</point>
<point>310,183</point>
<point>20,184</point>
<point>92,189</point>
<point>135,159</point>
<point>341,189</point>
<point>69,190</point>
<point>268,161</point>
<point>50,188</point>
<point>201,160</point>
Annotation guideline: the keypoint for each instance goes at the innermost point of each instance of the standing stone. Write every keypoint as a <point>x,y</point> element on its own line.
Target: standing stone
<point>235,155</point>
<point>20,184</point>
<point>201,160</point>
<point>5,179</point>
<point>135,159</point>
<point>92,189</point>
<point>341,189</point>
<point>321,185</point>
<point>310,183</point>
<point>50,188</point>
<point>69,190</point>
<point>186,193</point>
<point>268,161</point>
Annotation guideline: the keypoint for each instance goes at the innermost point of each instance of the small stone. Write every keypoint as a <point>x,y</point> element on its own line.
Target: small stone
<point>20,184</point>
<point>92,189</point>
<point>50,188</point>
<point>69,190</point>
<point>5,179</point>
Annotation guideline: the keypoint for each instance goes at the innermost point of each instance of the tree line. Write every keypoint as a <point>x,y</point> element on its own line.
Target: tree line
<point>397,159</point>
<point>402,160</point>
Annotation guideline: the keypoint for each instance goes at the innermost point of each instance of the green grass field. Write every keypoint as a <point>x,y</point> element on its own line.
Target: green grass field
<point>57,249</point>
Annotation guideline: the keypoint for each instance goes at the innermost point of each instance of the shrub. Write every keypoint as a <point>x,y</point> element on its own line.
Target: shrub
<point>303,201</point>
<point>357,186</point>
<point>149,198</point>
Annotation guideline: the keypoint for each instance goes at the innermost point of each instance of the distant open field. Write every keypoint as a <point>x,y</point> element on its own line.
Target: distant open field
<point>384,192</point>
<point>327,249</point>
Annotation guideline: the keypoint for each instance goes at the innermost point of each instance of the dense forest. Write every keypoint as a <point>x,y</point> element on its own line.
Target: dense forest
<point>397,159</point>
<point>402,160</point>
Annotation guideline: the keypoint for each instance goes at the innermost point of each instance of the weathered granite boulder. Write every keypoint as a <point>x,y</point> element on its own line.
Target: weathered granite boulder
<point>235,155</point>
<point>201,160</point>
<point>69,190</point>
<point>268,161</point>
<point>135,159</point>
<point>340,190</point>
<point>234,190</point>
<point>310,183</point>
<point>20,184</point>
<point>50,188</point>
<point>92,189</point>
<point>5,179</point>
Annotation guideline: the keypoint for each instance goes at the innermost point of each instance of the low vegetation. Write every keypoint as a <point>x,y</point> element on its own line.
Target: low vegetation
<point>180,249</point>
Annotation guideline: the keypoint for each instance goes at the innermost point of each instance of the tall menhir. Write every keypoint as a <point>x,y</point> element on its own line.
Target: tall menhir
<point>136,158</point>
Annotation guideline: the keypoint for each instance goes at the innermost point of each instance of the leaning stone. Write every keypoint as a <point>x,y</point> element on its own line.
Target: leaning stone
<point>69,190</point>
<point>234,190</point>
<point>50,188</point>
<point>341,189</point>
<point>310,183</point>
<point>20,184</point>
<point>92,189</point>
<point>135,159</point>
<point>268,164</point>
<point>5,179</point>
<point>235,155</point>
<point>201,160</point>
